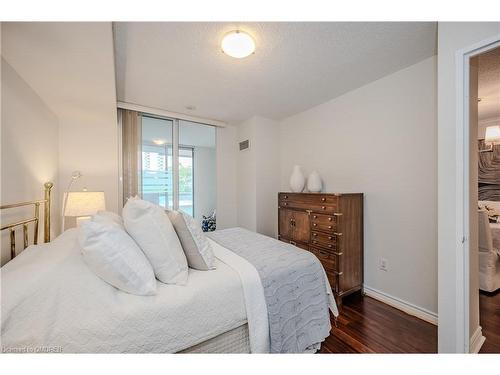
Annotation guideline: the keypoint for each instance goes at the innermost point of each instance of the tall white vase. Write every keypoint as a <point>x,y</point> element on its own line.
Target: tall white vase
<point>297,180</point>
<point>314,183</point>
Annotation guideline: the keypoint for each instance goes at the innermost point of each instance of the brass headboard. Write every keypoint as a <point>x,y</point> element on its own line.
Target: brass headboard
<point>34,219</point>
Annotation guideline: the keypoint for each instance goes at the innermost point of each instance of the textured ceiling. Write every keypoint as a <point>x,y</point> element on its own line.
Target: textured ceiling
<point>295,67</point>
<point>489,84</point>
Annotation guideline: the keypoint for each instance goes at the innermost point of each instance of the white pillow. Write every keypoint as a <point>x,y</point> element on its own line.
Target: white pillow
<point>108,217</point>
<point>150,227</point>
<point>115,257</point>
<point>198,251</point>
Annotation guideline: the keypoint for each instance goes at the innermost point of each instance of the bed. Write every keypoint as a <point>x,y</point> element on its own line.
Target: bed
<point>51,301</point>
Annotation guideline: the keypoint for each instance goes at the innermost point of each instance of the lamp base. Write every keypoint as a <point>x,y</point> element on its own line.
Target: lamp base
<point>82,219</point>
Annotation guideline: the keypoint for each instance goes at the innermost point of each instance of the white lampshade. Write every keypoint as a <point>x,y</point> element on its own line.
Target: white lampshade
<point>492,134</point>
<point>84,203</point>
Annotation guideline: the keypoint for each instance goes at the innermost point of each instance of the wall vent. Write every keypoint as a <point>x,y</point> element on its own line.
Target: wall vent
<point>244,145</point>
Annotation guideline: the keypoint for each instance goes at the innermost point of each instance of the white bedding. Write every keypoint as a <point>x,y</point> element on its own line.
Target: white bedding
<point>50,298</point>
<point>255,301</point>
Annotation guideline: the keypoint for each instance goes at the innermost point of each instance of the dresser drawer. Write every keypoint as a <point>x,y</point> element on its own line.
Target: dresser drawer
<point>327,246</point>
<point>323,238</point>
<point>307,206</point>
<point>327,258</point>
<point>323,219</point>
<point>310,199</point>
<point>329,228</point>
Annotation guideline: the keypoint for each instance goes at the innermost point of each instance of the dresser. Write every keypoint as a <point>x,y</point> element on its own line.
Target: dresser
<point>331,227</point>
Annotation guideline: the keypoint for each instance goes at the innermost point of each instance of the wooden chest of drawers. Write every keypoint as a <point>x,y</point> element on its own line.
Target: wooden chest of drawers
<point>331,227</point>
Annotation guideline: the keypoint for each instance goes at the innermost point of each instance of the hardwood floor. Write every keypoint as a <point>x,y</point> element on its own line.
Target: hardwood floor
<point>489,317</point>
<point>366,325</point>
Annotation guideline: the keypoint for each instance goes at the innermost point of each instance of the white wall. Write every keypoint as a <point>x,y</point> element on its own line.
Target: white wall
<point>452,37</point>
<point>380,140</point>
<point>71,67</point>
<point>267,152</point>
<point>88,133</point>
<point>205,181</point>
<point>29,154</point>
<point>258,176</point>
<point>247,177</point>
<point>226,177</point>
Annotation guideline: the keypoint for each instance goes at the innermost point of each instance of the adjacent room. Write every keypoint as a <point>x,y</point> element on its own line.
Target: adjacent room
<point>485,264</point>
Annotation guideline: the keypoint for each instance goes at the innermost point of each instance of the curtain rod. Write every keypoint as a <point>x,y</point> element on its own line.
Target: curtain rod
<point>165,113</point>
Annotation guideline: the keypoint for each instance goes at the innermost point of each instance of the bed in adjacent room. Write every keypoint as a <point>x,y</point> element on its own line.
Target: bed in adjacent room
<point>261,296</point>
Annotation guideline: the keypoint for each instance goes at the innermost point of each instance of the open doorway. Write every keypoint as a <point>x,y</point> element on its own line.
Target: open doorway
<point>484,201</point>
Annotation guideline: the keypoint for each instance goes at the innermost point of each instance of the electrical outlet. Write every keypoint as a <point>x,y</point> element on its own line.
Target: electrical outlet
<point>383,264</point>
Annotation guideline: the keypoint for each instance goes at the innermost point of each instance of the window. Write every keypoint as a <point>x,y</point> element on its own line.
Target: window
<point>186,180</point>
<point>176,165</point>
<point>156,174</point>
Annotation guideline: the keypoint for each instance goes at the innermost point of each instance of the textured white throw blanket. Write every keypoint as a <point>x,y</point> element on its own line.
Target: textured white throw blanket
<point>50,299</point>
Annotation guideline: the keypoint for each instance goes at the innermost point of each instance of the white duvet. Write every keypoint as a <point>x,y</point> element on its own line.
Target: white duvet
<point>51,299</point>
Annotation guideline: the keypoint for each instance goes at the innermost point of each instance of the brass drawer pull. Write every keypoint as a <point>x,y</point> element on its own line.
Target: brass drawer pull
<point>285,196</point>
<point>338,273</point>
<point>315,234</point>
<point>285,203</point>
<point>330,227</point>
<point>329,246</point>
<point>315,217</point>
<point>323,199</point>
<point>338,254</point>
<point>323,207</point>
<point>337,214</point>
<point>329,219</point>
<point>315,225</point>
<point>330,237</point>
<point>337,234</point>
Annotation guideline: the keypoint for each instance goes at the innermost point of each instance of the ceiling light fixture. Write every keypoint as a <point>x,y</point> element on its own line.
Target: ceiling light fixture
<point>238,44</point>
<point>159,142</point>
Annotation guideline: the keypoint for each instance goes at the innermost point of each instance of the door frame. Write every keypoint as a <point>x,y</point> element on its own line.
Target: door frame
<point>462,59</point>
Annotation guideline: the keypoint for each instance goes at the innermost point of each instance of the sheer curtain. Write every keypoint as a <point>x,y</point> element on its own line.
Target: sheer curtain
<point>131,152</point>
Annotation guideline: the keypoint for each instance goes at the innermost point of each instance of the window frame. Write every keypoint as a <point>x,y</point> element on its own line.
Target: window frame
<point>175,158</point>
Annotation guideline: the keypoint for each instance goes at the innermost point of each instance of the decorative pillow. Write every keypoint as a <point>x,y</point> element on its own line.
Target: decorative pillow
<point>209,223</point>
<point>150,227</point>
<point>115,257</point>
<point>108,217</point>
<point>198,251</point>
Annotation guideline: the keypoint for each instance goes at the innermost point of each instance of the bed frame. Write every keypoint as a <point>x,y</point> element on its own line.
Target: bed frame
<point>34,219</point>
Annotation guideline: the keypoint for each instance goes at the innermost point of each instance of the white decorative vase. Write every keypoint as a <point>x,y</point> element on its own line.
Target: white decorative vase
<point>297,180</point>
<point>314,183</point>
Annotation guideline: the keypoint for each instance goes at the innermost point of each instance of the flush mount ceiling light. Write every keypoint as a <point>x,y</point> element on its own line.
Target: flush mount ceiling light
<point>159,141</point>
<point>238,44</point>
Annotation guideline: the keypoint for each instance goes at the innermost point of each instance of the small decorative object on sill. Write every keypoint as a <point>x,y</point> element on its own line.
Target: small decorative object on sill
<point>209,223</point>
<point>314,184</point>
<point>297,180</point>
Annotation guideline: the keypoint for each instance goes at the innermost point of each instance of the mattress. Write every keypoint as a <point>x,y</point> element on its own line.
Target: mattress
<point>234,341</point>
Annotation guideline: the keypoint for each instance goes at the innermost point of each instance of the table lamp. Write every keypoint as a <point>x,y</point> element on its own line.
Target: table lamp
<point>84,204</point>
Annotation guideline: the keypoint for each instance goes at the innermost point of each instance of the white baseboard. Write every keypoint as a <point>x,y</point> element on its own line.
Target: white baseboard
<point>476,341</point>
<point>407,307</point>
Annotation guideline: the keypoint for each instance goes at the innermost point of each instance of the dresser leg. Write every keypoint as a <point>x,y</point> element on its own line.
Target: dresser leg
<point>338,301</point>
